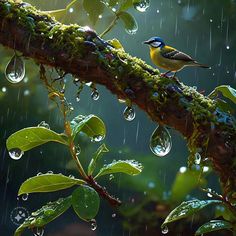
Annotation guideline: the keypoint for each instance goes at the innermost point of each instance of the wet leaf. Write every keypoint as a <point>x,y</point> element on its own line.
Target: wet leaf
<point>94,9</point>
<point>186,209</point>
<point>91,125</point>
<point>129,21</point>
<point>226,91</point>
<point>28,138</point>
<point>97,155</point>
<point>48,183</point>
<point>190,179</point>
<point>129,167</point>
<point>45,215</point>
<point>214,225</point>
<point>86,202</point>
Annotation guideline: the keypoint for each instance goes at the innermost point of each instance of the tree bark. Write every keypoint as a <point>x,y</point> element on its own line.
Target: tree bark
<point>79,51</point>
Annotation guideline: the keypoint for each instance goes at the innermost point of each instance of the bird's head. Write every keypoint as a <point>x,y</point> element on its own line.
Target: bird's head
<point>155,42</point>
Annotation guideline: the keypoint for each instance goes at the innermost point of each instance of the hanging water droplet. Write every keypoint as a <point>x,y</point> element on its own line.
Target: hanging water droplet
<point>142,5</point>
<point>15,153</point>
<point>95,95</point>
<point>197,159</point>
<point>129,113</point>
<point>93,224</point>
<point>25,197</point>
<point>97,138</point>
<point>15,70</point>
<point>165,230</point>
<point>38,232</point>
<point>77,98</point>
<point>44,124</point>
<point>111,177</point>
<point>160,141</point>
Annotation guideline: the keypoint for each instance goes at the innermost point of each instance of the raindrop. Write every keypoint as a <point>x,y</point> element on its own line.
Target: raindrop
<point>4,89</point>
<point>179,1</point>
<point>158,11</point>
<point>38,232</point>
<point>15,153</point>
<point>26,92</point>
<point>209,194</point>
<point>44,125</point>
<point>227,47</point>
<point>71,9</point>
<point>111,177</point>
<point>97,138</point>
<point>160,141</point>
<point>197,159</point>
<point>142,5</point>
<point>100,16</point>
<point>25,197</point>
<point>93,224</point>
<point>129,113</point>
<point>182,169</point>
<point>95,95</point>
<point>132,31</point>
<point>113,215</point>
<point>77,98</point>
<point>15,70</point>
<point>165,230</point>
<point>211,20</point>
<point>205,169</point>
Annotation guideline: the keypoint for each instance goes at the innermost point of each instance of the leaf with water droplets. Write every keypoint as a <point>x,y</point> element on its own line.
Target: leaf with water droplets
<point>226,90</point>
<point>44,215</point>
<point>48,183</point>
<point>96,156</point>
<point>94,9</point>
<point>214,225</point>
<point>15,70</point>
<point>188,208</point>
<point>90,125</point>
<point>86,202</point>
<point>28,138</point>
<point>129,167</point>
<point>129,21</point>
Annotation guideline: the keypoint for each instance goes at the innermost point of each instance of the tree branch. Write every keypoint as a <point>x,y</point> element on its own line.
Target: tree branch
<point>79,51</point>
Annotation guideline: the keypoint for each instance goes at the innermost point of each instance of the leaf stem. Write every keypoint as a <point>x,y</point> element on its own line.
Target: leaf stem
<point>113,23</point>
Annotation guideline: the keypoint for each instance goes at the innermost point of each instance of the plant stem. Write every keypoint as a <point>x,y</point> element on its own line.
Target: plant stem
<point>110,26</point>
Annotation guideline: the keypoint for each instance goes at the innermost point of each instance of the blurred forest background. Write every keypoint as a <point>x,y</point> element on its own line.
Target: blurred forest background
<point>201,28</point>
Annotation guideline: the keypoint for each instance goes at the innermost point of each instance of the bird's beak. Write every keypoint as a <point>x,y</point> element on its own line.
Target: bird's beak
<point>146,42</point>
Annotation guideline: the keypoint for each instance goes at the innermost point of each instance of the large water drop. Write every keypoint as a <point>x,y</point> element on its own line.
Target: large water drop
<point>15,70</point>
<point>142,5</point>
<point>160,141</point>
<point>15,153</point>
<point>129,113</point>
<point>38,232</point>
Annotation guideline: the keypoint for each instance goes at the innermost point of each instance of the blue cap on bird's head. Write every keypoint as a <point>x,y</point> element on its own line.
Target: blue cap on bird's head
<point>155,42</point>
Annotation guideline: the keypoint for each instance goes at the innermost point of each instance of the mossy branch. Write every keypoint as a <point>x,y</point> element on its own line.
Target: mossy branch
<point>79,51</point>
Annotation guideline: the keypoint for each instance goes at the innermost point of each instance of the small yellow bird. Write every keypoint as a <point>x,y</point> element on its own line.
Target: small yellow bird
<point>169,58</point>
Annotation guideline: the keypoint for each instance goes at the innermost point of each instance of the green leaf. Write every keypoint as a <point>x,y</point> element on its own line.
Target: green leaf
<point>129,21</point>
<point>112,3</point>
<point>45,215</point>
<point>48,183</point>
<point>125,5</point>
<point>94,8</point>
<point>190,179</point>
<point>188,208</point>
<point>213,225</point>
<point>129,167</point>
<point>226,91</point>
<point>91,125</point>
<point>97,155</point>
<point>85,201</point>
<point>28,138</point>
<point>116,44</point>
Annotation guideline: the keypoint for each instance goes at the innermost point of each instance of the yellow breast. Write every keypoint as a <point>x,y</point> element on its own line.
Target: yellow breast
<point>165,63</point>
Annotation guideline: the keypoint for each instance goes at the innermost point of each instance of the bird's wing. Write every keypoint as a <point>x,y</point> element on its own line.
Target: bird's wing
<point>174,54</point>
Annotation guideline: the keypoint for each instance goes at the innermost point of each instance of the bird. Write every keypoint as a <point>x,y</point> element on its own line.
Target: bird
<point>169,58</point>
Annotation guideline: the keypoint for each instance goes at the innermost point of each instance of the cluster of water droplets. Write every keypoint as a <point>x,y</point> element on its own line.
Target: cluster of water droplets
<point>15,70</point>
<point>160,141</point>
<point>129,113</point>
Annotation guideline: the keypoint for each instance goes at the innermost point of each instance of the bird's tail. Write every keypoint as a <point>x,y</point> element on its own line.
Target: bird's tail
<point>195,63</point>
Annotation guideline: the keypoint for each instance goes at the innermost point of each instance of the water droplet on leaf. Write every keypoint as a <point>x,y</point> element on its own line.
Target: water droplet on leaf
<point>95,95</point>
<point>165,230</point>
<point>15,153</point>
<point>15,70</point>
<point>142,5</point>
<point>160,141</point>
<point>129,113</point>
<point>44,124</point>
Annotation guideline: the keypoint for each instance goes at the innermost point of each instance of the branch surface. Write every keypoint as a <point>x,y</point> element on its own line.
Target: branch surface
<point>79,51</point>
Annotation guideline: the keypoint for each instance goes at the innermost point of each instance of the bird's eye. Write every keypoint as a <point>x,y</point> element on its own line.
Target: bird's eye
<point>156,44</point>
